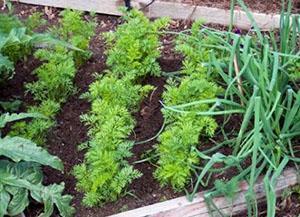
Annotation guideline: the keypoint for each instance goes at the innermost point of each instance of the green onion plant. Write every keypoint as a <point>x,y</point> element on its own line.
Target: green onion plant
<point>260,88</point>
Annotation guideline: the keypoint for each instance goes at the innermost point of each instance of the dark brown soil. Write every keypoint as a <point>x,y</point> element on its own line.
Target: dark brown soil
<point>289,207</point>
<point>13,89</point>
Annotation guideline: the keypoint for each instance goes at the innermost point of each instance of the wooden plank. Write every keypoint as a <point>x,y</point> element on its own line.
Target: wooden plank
<point>100,6</point>
<point>181,207</point>
<point>212,15</point>
<point>173,10</point>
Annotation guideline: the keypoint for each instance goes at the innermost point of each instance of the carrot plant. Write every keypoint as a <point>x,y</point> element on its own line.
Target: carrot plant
<point>74,29</point>
<point>36,129</point>
<point>197,56</point>
<point>177,143</point>
<point>259,88</point>
<point>183,131</point>
<point>133,49</point>
<point>55,76</point>
<point>106,173</point>
<point>34,21</point>
<point>59,85</point>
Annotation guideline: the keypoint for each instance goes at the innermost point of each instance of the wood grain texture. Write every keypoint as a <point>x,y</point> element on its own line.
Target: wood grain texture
<point>173,10</point>
<point>181,207</point>
<point>100,6</point>
<point>212,15</point>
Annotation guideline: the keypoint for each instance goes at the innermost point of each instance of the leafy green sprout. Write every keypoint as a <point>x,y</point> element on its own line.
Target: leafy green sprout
<point>105,173</point>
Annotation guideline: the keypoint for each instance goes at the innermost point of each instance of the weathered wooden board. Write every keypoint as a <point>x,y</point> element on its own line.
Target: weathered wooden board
<point>181,207</point>
<point>212,15</point>
<point>100,6</point>
<point>173,10</point>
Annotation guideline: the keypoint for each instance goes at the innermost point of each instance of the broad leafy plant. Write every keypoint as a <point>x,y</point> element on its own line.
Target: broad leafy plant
<point>17,41</point>
<point>21,175</point>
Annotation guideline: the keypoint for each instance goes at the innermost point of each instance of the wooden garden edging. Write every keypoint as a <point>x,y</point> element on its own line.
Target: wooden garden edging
<point>173,10</point>
<point>181,207</point>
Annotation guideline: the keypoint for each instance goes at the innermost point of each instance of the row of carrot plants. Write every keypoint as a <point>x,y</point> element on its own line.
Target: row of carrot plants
<point>132,53</point>
<point>178,142</point>
<point>56,74</point>
<point>65,49</point>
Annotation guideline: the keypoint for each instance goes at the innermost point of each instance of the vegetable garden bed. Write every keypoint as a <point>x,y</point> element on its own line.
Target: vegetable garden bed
<point>67,138</point>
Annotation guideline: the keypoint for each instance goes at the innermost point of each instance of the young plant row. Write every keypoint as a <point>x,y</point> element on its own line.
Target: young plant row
<point>21,159</point>
<point>55,76</point>
<point>178,142</point>
<point>132,52</point>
